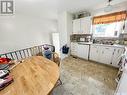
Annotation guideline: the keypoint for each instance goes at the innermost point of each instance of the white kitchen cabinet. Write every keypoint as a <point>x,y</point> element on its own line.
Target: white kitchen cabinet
<point>86,25</point>
<point>76,26</point>
<point>74,47</point>
<point>94,53</point>
<point>83,51</point>
<point>82,26</point>
<point>117,56</point>
<point>99,53</point>
<point>105,54</point>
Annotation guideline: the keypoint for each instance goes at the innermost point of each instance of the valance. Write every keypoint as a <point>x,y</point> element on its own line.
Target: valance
<point>110,18</point>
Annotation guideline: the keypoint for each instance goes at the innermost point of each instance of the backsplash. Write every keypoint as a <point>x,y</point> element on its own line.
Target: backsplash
<point>122,39</point>
<point>109,41</point>
<point>81,38</point>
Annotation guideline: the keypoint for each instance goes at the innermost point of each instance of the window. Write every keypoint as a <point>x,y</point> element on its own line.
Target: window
<point>109,25</point>
<point>108,30</point>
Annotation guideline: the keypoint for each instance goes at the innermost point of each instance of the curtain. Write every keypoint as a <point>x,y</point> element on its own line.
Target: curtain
<point>110,18</point>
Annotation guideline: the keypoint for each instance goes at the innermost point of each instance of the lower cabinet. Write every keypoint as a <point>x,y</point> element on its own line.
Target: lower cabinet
<point>106,54</point>
<point>80,50</point>
<point>94,53</point>
<point>99,53</point>
<point>83,51</point>
<point>117,56</point>
<point>74,48</point>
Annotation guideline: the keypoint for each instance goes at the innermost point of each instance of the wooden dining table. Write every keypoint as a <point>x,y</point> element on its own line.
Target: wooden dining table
<point>35,76</point>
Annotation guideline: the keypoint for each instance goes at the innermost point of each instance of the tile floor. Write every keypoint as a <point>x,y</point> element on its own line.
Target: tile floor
<point>82,77</point>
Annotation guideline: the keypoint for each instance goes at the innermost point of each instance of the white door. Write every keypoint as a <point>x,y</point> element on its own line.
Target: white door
<point>105,55</point>
<point>86,25</point>
<point>83,51</point>
<point>76,26</point>
<point>56,42</point>
<point>94,51</point>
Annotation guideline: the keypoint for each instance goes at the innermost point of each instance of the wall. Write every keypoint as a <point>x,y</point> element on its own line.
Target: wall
<point>32,24</point>
<point>65,29</point>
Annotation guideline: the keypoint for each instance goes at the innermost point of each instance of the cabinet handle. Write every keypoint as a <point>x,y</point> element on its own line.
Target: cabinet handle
<point>114,52</point>
<point>118,51</point>
<point>106,48</point>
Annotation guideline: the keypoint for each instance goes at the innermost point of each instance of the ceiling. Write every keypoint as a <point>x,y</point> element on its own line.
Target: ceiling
<point>71,5</point>
<point>50,8</point>
<point>88,5</point>
<point>77,5</point>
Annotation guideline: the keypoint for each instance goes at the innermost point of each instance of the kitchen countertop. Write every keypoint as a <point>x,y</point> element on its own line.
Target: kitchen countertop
<point>85,43</point>
<point>90,43</point>
<point>115,45</point>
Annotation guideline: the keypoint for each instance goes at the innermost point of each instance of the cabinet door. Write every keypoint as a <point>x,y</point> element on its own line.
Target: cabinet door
<point>83,51</point>
<point>74,49</point>
<point>94,53</point>
<point>76,26</point>
<point>117,56</point>
<point>86,25</point>
<point>105,55</point>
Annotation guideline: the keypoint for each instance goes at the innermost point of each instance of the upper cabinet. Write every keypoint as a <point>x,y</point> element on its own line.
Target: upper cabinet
<point>85,25</point>
<point>82,26</point>
<point>76,26</point>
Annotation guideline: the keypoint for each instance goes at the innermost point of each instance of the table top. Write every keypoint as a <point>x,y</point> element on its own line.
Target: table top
<point>35,76</point>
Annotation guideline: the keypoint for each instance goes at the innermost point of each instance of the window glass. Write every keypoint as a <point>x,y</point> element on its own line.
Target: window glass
<point>108,30</point>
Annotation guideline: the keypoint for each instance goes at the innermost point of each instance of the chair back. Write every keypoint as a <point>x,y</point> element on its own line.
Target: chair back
<point>51,47</point>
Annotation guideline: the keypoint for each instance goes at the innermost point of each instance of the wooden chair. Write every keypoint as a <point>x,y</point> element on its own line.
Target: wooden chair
<point>56,59</point>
